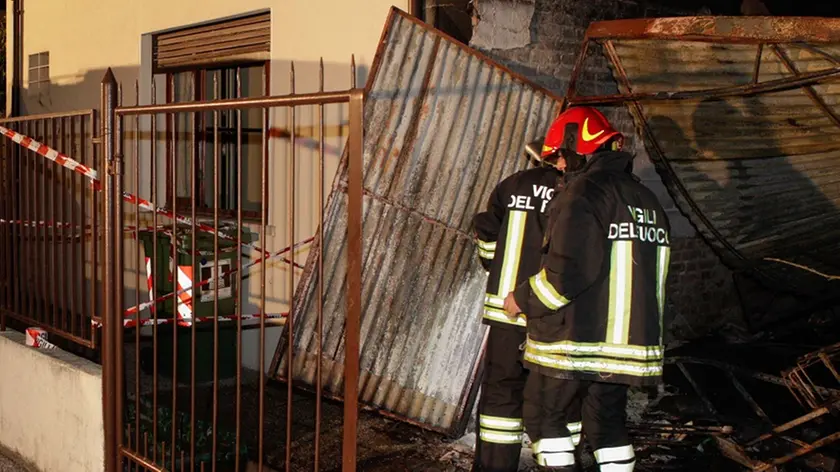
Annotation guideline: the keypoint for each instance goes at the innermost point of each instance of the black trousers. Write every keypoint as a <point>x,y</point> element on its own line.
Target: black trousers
<point>500,423</point>
<point>500,426</point>
<point>547,401</point>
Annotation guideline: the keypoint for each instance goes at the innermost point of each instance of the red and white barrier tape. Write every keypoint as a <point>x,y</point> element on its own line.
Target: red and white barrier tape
<point>37,338</point>
<point>75,166</point>
<point>149,282</point>
<point>143,306</point>
<point>184,287</point>
<point>49,153</point>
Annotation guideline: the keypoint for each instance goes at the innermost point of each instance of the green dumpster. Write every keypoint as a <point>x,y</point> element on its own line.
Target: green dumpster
<point>202,266</point>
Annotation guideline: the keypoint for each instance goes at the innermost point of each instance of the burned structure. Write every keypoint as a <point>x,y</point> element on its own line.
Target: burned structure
<point>738,116</point>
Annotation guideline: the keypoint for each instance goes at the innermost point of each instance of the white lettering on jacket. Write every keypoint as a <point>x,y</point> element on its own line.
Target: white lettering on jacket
<point>643,227</point>
<point>526,202</point>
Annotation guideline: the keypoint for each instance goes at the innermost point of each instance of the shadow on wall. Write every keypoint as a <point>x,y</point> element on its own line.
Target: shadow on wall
<point>82,91</point>
<point>760,203</point>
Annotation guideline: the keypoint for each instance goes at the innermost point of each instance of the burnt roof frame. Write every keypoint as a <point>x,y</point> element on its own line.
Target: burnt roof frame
<point>760,31</point>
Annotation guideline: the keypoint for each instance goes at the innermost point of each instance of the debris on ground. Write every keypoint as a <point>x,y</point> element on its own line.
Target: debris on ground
<point>761,404</point>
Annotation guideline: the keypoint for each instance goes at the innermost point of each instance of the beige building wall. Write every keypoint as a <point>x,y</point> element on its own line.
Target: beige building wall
<point>86,37</point>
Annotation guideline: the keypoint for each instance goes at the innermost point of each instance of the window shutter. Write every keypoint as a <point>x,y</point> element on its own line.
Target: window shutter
<point>242,39</point>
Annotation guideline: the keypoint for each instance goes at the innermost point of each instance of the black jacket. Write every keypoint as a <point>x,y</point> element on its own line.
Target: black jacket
<point>509,236</point>
<point>595,307</point>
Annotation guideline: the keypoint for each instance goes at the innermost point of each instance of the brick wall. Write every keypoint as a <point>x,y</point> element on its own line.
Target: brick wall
<point>541,40</point>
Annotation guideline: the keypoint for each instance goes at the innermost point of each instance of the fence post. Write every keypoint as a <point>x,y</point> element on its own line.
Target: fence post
<point>354,279</point>
<point>110,323</point>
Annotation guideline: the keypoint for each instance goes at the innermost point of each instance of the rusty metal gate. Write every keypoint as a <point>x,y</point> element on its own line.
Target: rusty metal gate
<point>207,277</point>
<point>48,227</point>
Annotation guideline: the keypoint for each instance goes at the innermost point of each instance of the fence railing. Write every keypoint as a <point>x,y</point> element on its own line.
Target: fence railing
<point>204,281</point>
<point>174,249</point>
<point>49,227</point>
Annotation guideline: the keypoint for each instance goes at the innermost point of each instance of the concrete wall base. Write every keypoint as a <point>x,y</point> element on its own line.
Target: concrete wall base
<point>50,407</point>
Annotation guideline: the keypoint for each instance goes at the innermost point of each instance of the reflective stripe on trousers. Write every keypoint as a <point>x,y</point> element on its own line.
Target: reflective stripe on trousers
<point>616,459</point>
<point>500,430</point>
<point>575,429</point>
<point>554,452</point>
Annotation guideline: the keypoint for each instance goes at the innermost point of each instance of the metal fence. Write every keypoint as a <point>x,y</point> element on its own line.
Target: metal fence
<point>176,394</point>
<point>49,226</point>
<point>123,249</point>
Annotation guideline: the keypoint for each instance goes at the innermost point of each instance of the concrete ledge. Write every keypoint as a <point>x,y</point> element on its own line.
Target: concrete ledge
<point>50,407</point>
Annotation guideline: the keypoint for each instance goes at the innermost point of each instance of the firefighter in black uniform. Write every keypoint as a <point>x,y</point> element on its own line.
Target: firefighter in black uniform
<point>509,236</point>
<point>595,307</point>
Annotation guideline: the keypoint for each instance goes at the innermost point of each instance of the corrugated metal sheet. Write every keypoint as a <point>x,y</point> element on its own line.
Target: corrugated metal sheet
<point>443,126</point>
<point>757,174</point>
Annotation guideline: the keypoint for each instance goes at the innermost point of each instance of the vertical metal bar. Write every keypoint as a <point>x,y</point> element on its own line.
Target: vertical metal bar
<point>216,191</point>
<point>41,248</point>
<point>175,299</point>
<point>17,233</point>
<point>130,447</point>
<point>39,296</point>
<point>79,205</point>
<point>50,172</point>
<point>30,203</point>
<point>8,247</point>
<point>77,227</point>
<point>62,197</point>
<point>24,203</point>
<point>119,284</point>
<point>109,318</point>
<point>5,176</point>
<point>139,263</point>
<point>94,220</point>
<point>193,178</point>
<point>27,200</point>
<point>290,319</point>
<point>353,71</point>
<point>36,295</point>
<point>5,249</point>
<point>202,163</point>
<point>39,307</point>
<point>354,280</point>
<point>39,189</point>
<point>263,275</point>
<point>153,193</point>
<point>20,230</point>
<point>14,231</point>
<point>16,179</point>
<point>319,328</point>
<point>238,288</point>
<point>4,213</point>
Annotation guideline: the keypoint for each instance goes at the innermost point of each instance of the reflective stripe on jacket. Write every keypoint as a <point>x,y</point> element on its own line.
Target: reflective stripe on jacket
<point>509,235</point>
<point>595,306</point>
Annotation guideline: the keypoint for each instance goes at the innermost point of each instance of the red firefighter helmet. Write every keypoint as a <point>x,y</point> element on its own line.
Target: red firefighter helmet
<point>581,130</point>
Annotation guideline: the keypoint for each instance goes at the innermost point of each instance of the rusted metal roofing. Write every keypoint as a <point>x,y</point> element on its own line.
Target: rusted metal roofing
<point>443,125</point>
<point>740,116</point>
